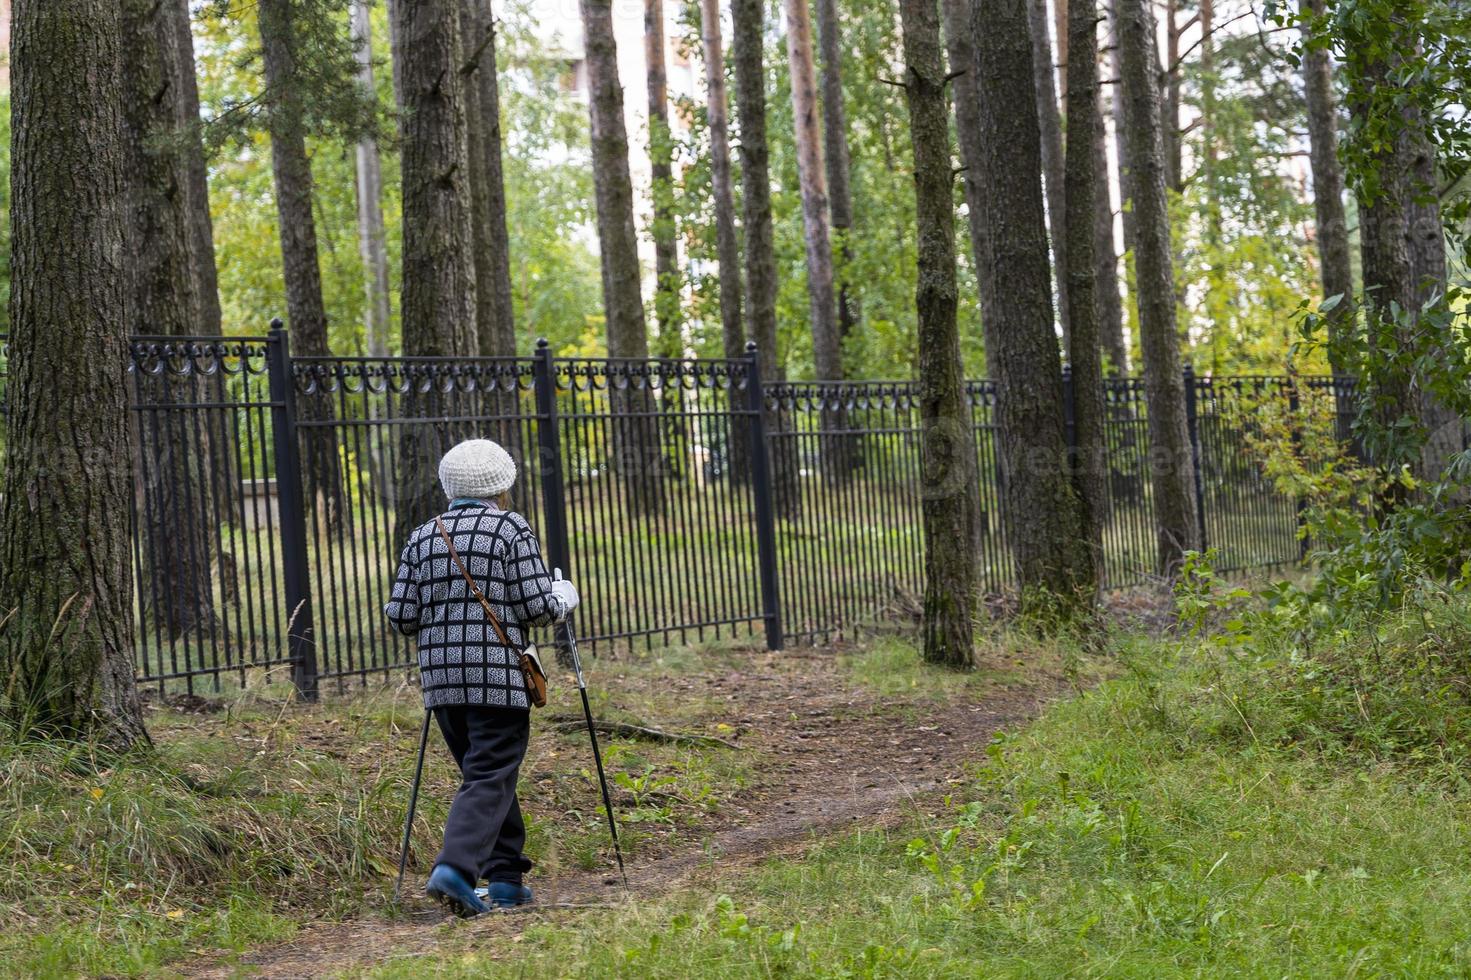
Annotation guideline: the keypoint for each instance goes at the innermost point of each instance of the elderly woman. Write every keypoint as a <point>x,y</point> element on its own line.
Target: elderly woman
<point>469,665</point>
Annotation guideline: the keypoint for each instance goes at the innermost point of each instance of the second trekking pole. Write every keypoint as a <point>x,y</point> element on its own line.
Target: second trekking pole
<point>570,640</point>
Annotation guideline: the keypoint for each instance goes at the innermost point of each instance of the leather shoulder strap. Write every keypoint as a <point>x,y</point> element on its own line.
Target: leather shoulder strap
<point>474,589</point>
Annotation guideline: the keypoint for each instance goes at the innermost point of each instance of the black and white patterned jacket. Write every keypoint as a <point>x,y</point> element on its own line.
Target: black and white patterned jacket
<point>461,659</point>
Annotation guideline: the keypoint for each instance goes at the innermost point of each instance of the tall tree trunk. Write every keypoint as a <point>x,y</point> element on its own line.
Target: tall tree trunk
<point>835,146</point>
<point>162,288</point>
<point>827,350</point>
<point>438,268</point>
<point>1085,299</point>
<point>760,251</point>
<point>661,169</point>
<point>1121,127</point>
<point>371,236</point>
<point>727,244</point>
<point>1045,517</point>
<point>196,172</point>
<point>292,172</point>
<point>948,462</point>
<point>477,155</point>
<point>1331,223</point>
<point>636,434</point>
<point>1172,465</point>
<point>487,79</point>
<point>1106,256</point>
<point>1045,92</point>
<point>1170,108</point>
<point>961,48</point>
<point>65,568</point>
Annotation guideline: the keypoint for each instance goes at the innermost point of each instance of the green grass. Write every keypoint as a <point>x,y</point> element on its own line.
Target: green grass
<point>1144,829</point>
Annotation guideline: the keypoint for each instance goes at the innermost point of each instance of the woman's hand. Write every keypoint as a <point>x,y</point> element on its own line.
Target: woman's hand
<point>565,592</point>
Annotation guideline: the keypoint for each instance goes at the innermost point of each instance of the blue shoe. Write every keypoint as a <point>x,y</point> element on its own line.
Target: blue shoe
<point>454,892</point>
<point>505,895</point>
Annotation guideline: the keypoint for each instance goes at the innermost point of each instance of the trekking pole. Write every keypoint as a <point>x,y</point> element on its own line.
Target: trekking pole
<point>403,854</point>
<point>567,637</point>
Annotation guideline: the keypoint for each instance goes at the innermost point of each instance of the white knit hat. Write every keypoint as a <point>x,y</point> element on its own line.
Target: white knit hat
<point>476,468</point>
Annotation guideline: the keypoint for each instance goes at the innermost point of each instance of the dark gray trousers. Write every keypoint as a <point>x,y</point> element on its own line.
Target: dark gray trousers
<point>485,835</point>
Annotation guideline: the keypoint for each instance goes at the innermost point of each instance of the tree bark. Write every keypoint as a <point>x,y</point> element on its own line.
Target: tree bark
<point>292,176</point>
<point>1121,128</point>
<point>438,268</point>
<point>636,434</point>
<point>478,152</point>
<point>372,246</point>
<point>65,567</point>
<point>1045,517</point>
<point>1331,222</point>
<point>1085,300</point>
<point>961,48</point>
<point>835,146</point>
<point>948,461</point>
<point>727,244</point>
<point>756,225</point>
<point>661,170</point>
<point>1170,109</point>
<point>1045,92</point>
<point>1172,467</point>
<point>209,321</point>
<point>163,293</point>
<point>827,349</point>
<point>503,314</point>
<point>1106,256</point>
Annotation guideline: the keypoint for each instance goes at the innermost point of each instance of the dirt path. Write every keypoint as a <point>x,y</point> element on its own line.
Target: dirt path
<point>829,756</point>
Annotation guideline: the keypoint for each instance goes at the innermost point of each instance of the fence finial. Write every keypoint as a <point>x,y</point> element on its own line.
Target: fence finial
<point>542,343</point>
<point>276,323</point>
<point>750,347</point>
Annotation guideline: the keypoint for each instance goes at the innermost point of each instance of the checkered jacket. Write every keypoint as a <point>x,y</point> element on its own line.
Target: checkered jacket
<point>461,659</point>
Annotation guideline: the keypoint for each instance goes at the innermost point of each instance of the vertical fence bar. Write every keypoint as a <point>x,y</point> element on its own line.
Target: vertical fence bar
<point>765,511</point>
<point>1192,421</point>
<point>553,494</point>
<point>1300,505</point>
<point>300,640</point>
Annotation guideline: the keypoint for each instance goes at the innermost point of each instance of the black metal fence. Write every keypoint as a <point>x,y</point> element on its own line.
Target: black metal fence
<point>688,501</point>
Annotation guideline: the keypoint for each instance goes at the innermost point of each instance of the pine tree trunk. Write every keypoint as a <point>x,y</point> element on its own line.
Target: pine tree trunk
<point>1045,92</point>
<point>1170,109</point>
<point>372,246</point>
<point>961,48</point>
<point>1106,257</point>
<point>502,343</point>
<point>948,462</point>
<point>835,146</point>
<point>756,225</point>
<point>1121,128</point>
<point>636,434</point>
<point>1085,299</point>
<point>292,172</point>
<point>1045,518</point>
<point>827,350</point>
<point>727,244</point>
<point>196,173</point>
<point>438,314</point>
<point>65,568</point>
<point>661,155</point>
<point>1331,222</point>
<point>477,153</point>
<point>162,287</point>
<point>1172,471</point>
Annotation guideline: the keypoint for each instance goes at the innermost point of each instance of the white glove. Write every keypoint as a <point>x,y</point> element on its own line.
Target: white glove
<point>566,594</point>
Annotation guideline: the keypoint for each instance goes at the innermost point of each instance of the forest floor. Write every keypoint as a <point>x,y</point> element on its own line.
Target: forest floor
<point>823,742</point>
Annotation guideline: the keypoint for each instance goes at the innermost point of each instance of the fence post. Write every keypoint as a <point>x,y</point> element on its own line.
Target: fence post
<point>1192,422</point>
<point>291,502</point>
<point>764,500</point>
<point>553,492</point>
